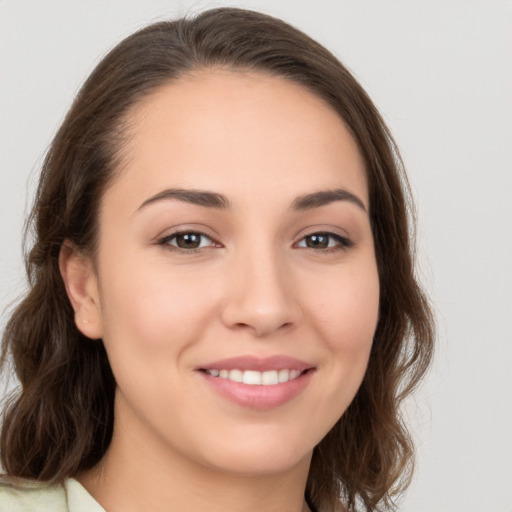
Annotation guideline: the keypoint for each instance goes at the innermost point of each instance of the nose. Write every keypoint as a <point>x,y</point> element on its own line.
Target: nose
<point>260,296</point>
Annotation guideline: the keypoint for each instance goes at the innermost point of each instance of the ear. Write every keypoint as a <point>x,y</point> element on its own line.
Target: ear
<point>82,288</point>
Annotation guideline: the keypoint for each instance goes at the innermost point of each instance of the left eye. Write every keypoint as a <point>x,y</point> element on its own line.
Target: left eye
<point>323,241</point>
<point>188,240</point>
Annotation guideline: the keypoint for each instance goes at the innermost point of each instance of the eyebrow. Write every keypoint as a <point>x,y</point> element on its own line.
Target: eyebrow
<point>324,197</point>
<point>215,200</point>
<point>199,197</point>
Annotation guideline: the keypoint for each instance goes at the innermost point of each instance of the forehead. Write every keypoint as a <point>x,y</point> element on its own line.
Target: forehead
<point>233,130</point>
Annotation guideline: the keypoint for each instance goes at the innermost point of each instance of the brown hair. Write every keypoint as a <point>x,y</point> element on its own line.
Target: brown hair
<point>62,419</point>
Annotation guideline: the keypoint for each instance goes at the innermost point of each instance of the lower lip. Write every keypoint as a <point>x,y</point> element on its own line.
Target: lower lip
<point>259,396</point>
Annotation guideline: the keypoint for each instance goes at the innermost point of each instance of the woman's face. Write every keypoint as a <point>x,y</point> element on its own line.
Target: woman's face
<point>235,244</point>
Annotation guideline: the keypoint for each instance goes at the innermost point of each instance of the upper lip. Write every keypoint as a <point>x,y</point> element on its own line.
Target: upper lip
<point>261,364</point>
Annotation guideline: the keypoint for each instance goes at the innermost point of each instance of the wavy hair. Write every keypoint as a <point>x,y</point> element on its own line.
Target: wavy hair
<point>61,420</point>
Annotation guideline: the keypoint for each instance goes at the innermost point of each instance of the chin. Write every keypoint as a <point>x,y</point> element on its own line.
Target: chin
<point>257,464</point>
<point>263,453</point>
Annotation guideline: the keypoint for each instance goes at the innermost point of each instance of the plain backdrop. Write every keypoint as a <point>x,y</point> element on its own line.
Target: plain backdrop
<point>441,73</point>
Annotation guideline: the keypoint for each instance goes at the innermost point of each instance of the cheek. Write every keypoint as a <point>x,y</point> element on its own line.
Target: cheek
<point>148,310</point>
<point>348,308</point>
<point>151,320</point>
<point>347,318</point>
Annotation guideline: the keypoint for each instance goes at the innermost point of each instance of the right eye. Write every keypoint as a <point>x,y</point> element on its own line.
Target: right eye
<point>188,240</point>
<point>325,241</point>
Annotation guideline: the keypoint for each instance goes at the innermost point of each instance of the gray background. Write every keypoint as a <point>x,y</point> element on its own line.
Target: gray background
<point>441,73</point>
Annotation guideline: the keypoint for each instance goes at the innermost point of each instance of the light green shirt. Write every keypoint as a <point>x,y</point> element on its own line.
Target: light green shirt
<point>18,495</point>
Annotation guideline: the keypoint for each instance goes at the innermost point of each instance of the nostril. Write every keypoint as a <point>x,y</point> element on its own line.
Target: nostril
<point>261,309</point>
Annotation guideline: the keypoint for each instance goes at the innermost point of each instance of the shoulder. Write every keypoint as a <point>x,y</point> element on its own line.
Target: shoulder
<point>19,495</point>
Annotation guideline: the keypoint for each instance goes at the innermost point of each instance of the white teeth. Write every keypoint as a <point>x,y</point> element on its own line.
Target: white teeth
<point>255,378</point>
<point>269,378</point>
<point>236,375</point>
<point>252,378</point>
<point>284,375</point>
<point>294,374</point>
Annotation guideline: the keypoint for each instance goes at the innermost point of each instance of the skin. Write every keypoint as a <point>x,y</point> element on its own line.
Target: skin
<point>253,287</point>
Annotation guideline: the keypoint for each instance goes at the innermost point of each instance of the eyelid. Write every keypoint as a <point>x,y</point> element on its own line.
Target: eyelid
<point>344,241</point>
<point>163,240</point>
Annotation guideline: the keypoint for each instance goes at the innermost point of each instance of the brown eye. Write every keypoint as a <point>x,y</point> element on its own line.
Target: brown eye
<point>317,241</point>
<point>324,241</point>
<point>189,240</point>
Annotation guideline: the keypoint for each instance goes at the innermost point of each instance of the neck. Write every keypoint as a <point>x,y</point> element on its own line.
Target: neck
<point>140,473</point>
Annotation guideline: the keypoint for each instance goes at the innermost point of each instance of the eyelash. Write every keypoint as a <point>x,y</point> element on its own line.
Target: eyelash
<point>340,242</point>
<point>166,241</point>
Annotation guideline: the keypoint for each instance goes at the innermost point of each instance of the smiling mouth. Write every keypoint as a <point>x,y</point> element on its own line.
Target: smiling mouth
<point>256,378</point>
<point>258,383</point>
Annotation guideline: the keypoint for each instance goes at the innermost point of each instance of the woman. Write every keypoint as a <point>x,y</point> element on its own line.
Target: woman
<point>223,313</point>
